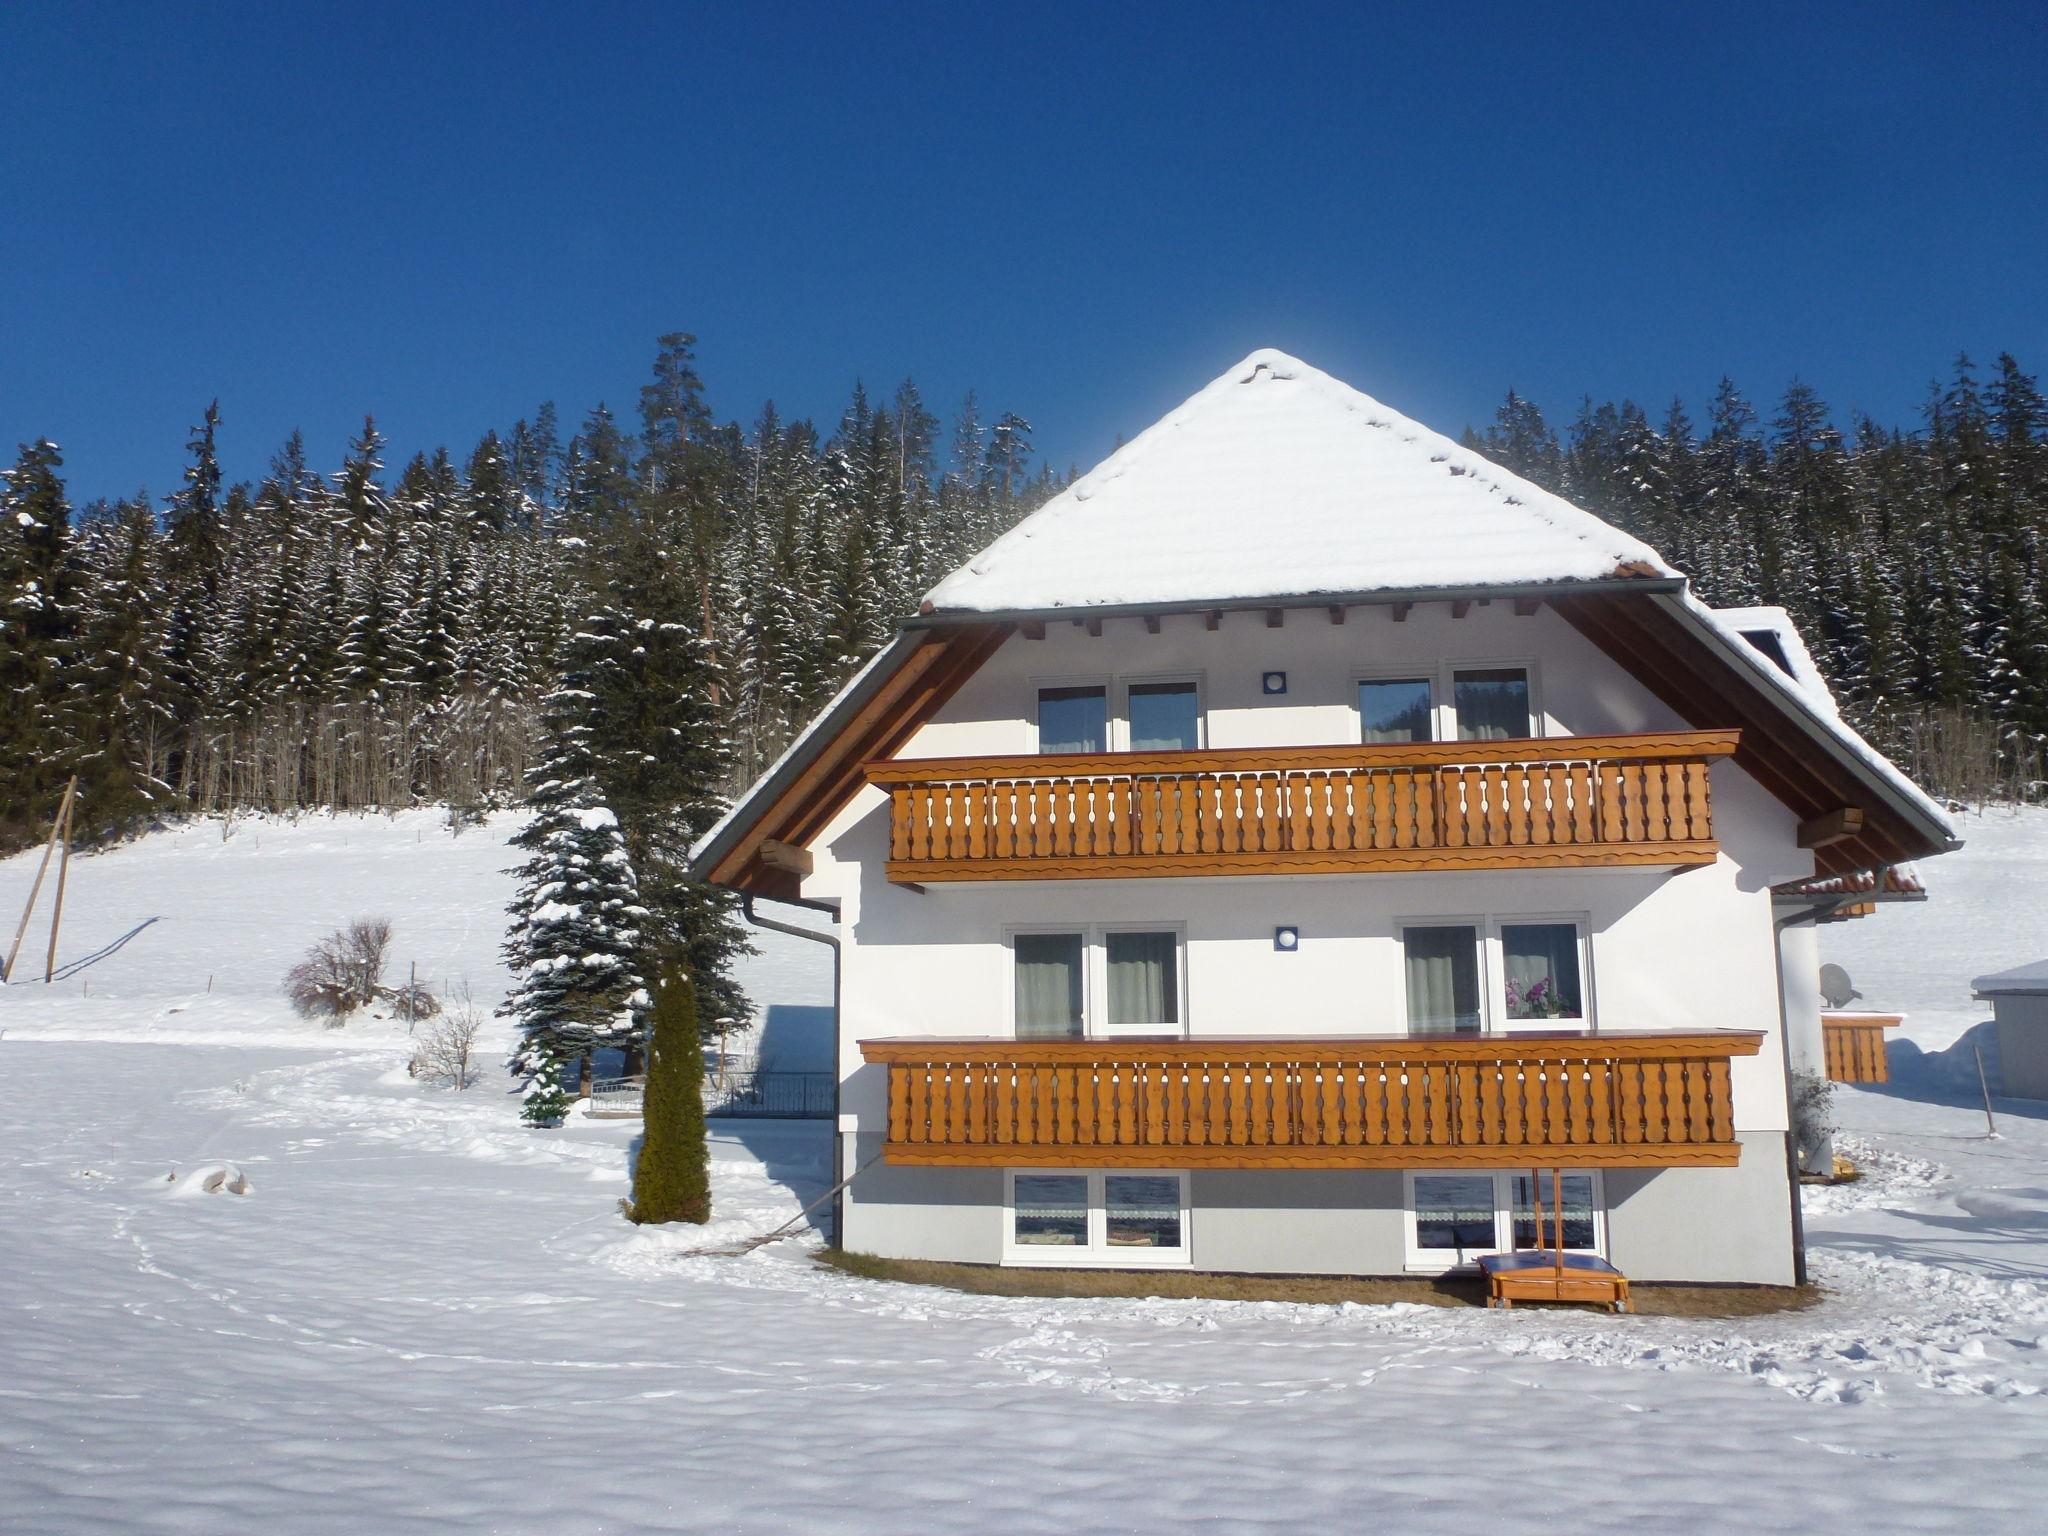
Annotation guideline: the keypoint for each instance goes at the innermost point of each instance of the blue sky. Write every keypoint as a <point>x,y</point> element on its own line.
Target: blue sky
<point>445,214</point>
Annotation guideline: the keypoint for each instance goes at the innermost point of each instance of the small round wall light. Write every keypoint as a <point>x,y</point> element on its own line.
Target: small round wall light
<point>1274,682</point>
<point>1287,940</point>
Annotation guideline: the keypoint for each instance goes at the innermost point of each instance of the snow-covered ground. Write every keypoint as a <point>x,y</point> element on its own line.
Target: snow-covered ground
<point>424,1317</point>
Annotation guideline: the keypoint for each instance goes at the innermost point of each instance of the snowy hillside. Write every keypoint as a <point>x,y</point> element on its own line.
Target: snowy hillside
<point>423,1317</point>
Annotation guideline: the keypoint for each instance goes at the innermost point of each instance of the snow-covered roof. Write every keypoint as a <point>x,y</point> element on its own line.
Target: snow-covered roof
<point>1278,480</point>
<point>1771,632</point>
<point>2023,979</point>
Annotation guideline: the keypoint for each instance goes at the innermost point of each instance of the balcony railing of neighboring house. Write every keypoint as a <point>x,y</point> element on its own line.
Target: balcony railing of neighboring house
<point>1854,1043</point>
<point>1579,1099</point>
<point>1557,802</point>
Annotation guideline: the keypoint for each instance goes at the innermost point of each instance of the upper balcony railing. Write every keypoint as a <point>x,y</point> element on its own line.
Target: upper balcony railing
<point>1578,1099</point>
<point>1556,802</point>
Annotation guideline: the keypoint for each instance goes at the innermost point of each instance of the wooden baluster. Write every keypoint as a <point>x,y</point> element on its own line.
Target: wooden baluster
<point>977,1076</point>
<point>1634,800</point>
<point>1479,816</point>
<point>1611,828</point>
<point>1585,824</point>
<point>1152,1086</point>
<point>1656,1109</point>
<point>977,822</point>
<point>1297,792</point>
<point>1487,1113</point>
<point>1495,783</point>
<point>957,1076</point>
<point>920,821</point>
<point>1656,809</point>
<point>959,819</point>
<point>1415,1104</point>
<point>1465,1077</point>
<point>1270,838</point>
<point>899,1102</point>
<point>899,823</point>
<point>1720,1116</point>
<point>1394,812</point>
<point>1699,817</point>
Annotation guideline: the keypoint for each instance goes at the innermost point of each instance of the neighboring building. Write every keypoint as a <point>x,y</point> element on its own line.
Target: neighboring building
<point>2019,1002</point>
<point>1297,831</point>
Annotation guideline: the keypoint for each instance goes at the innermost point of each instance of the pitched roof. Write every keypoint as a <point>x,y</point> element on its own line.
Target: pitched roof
<point>1278,480</point>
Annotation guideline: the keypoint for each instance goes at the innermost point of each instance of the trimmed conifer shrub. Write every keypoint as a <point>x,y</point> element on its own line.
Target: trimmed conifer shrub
<point>672,1179</point>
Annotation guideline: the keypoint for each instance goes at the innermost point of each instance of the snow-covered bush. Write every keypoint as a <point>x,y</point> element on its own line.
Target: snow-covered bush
<point>446,1054</point>
<point>1813,1120</point>
<point>342,972</point>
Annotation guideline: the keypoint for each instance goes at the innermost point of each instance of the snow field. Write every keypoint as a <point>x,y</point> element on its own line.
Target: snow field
<point>426,1317</point>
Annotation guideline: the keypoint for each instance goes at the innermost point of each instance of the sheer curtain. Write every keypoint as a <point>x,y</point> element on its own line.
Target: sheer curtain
<point>1542,964</point>
<point>1443,979</point>
<point>1143,984</point>
<point>1164,717</point>
<point>1492,706</point>
<point>1073,720</point>
<point>1393,709</point>
<point>1048,985</point>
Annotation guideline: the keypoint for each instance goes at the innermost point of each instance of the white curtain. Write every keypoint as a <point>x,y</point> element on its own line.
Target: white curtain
<point>1492,706</point>
<point>1393,710</point>
<point>1143,985</point>
<point>1048,985</point>
<point>1443,979</point>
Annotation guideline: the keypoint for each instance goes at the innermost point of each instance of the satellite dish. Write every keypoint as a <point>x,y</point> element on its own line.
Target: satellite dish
<point>1835,988</point>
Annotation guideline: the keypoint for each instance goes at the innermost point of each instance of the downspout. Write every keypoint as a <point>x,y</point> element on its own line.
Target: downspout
<point>1797,919</point>
<point>774,926</point>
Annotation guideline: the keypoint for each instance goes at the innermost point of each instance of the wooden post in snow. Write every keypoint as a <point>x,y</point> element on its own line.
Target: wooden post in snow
<point>63,809</point>
<point>57,910</point>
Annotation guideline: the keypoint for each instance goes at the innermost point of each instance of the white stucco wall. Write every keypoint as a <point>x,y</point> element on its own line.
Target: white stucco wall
<point>1683,950</point>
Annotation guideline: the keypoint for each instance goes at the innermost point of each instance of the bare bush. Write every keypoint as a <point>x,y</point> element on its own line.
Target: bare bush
<point>413,1002</point>
<point>366,941</point>
<point>446,1054</point>
<point>341,973</point>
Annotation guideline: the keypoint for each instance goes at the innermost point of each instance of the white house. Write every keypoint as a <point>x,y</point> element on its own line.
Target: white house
<point>1300,842</point>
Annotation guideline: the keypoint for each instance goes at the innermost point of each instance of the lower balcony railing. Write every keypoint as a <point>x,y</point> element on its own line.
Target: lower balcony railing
<point>1854,1043</point>
<point>1563,1099</point>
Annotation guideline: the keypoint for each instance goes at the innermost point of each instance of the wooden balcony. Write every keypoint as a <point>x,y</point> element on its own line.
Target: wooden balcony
<point>1572,1099</point>
<point>1854,1043</point>
<point>1561,802</point>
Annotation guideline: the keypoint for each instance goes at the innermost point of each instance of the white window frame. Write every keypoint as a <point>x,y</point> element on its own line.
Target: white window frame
<point>1009,979</point>
<point>1098,967</point>
<point>1427,673</point>
<point>1487,961</point>
<point>1497,996</point>
<point>1447,691</point>
<point>1097,1254</point>
<point>1493,966</point>
<point>1437,1261</point>
<point>1094,937</point>
<point>1120,725</point>
<point>1102,680</point>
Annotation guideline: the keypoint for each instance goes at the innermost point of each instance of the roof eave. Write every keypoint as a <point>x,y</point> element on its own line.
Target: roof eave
<point>943,617</point>
<point>1803,713</point>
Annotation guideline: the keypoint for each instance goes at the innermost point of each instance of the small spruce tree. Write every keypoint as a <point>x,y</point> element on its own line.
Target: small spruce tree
<point>672,1178</point>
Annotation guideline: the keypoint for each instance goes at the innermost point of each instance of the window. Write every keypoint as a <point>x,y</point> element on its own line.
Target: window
<point>1540,970</point>
<point>1394,709</point>
<point>1492,704</point>
<point>1073,719</point>
<point>1103,1217</point>
<point>1144,978</point>
<point>1164,717</point>
<point>1442,964</point>
<point>1580,1231</point>
<point>1098,981</point>
<point>1453,1218</point>
<point>1049,1210</point>
<point>1049,985</point>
